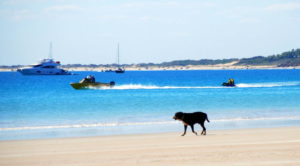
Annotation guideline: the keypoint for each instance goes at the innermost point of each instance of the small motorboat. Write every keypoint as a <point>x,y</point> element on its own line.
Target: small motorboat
<point>87,85</point>
<point>230,83</point>
<point>89,82</point>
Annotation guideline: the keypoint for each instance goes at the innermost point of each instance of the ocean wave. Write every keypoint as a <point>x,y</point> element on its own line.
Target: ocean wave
<point>258,118</point>
<point>115,124</point>
<point>86,125</point>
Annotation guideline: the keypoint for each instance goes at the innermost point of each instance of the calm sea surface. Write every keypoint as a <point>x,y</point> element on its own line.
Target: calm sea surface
<point>145,101</point>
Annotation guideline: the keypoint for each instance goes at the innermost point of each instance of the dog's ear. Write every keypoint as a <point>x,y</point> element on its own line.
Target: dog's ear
<point>179,115</point>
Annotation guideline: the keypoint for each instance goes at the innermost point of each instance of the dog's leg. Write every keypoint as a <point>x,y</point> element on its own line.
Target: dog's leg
<point>192,127</point>
<point>203,129</point>
<point>185,127</point>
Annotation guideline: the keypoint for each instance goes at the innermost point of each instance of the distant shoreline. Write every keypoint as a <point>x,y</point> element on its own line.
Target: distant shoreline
<point>285,60</point>
<point>155,68</point>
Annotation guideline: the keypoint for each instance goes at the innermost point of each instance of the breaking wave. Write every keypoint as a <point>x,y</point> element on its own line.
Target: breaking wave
<point>115,124</point>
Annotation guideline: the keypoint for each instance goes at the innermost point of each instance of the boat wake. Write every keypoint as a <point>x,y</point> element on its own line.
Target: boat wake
<point>117,124</point>
<point>276,84</point>
<point>139,86</point>
<point>240,85</point>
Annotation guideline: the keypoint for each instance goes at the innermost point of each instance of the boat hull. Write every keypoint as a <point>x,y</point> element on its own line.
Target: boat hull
<point>120,71</point>
<point>92,85</point>
<point>228,85</point>
<point>43,72</point>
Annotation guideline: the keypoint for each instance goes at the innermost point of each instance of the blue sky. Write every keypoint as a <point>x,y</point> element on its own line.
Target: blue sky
<point>87,31</point>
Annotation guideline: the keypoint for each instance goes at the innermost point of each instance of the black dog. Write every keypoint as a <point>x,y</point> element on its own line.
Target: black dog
<point>191,119</point>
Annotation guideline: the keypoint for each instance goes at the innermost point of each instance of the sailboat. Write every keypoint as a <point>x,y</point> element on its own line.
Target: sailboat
<point>120,69</point>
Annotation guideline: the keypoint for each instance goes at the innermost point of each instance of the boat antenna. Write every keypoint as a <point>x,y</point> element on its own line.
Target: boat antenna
<point>50,51</point>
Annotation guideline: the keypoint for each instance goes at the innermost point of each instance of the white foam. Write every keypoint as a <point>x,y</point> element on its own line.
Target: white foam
<point>259,118</point>
<point>276,84</point>
<point>240,85</point>
<point>139,86</point>
<point>116,124</point>
<point>85,125</point>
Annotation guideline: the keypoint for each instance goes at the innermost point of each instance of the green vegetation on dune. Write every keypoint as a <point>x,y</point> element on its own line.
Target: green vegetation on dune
<point>197,62</point>
<point>285,59</point>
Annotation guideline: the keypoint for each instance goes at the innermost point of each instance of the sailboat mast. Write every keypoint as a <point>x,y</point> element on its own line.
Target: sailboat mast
<point>118,52</point>
<point>119,70</point>
<point>50,51</point>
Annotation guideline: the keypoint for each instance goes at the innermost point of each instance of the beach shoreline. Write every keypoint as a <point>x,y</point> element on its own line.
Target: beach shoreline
<point>259,146</point>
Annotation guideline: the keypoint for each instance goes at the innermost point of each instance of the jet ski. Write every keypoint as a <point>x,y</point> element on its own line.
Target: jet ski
<point>230,83</point>
<point>227,84</point>
<point>89,82</point>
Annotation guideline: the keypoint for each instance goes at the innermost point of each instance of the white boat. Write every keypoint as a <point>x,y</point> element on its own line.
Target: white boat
<point>44,67</point>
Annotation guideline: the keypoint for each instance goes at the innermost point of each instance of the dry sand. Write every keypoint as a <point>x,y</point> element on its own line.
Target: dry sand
<point>249,147</point>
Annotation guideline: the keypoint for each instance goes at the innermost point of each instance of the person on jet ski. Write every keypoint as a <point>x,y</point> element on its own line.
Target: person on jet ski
<point>231,81</point>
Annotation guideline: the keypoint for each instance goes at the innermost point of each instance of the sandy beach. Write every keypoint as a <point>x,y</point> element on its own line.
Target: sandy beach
<point>259,147</point>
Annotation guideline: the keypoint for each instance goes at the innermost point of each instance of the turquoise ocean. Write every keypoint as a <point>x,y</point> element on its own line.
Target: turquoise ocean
<point>34,107</point>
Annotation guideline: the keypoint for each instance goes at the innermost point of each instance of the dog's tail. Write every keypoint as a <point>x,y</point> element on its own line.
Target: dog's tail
<point>207,119</point>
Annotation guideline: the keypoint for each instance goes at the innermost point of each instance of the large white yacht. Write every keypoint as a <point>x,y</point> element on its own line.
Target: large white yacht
<point>44,67</point>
